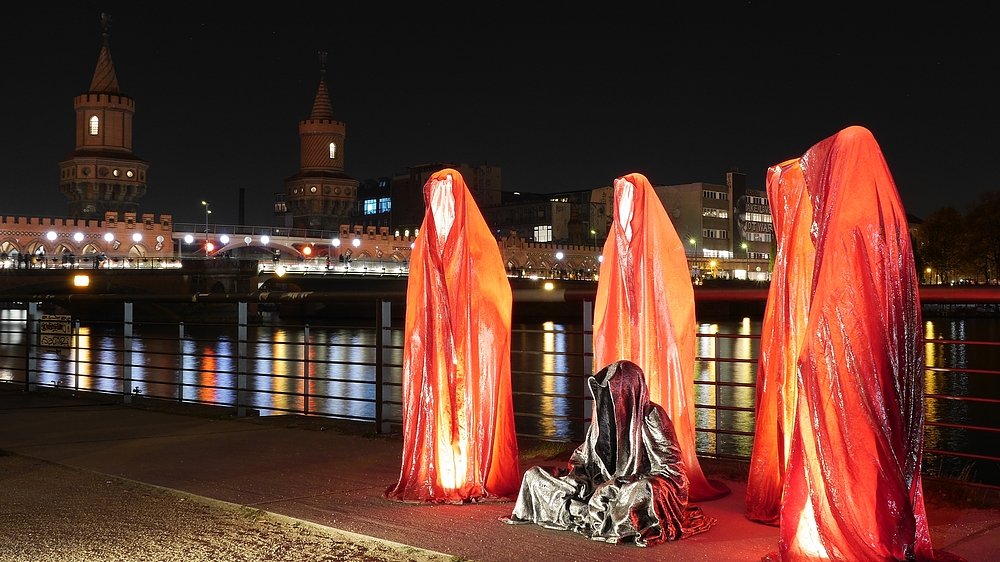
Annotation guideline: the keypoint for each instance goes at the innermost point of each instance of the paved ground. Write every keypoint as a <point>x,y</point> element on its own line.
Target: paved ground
<point>86,478</point>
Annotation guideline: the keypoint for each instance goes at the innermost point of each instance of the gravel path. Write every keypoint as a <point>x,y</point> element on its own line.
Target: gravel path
<point>50,512</point>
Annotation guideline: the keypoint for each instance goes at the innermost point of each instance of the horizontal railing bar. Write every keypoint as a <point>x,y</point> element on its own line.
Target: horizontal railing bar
<point>963,398</point>
<point>962,426</point>
<point>722,407</point>
<point>959,454</point>
<point>961,370</point>
<point>725,432</point>
<point>549,395</point>
<point>548,416</point>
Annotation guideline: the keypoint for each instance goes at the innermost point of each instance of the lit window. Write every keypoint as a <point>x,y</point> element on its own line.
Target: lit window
<point>371,206</point>
<point>543,233</point>
<point>715,213</point>
<point>94,125</point>
<point>384,205</point>
<point>333,150</point>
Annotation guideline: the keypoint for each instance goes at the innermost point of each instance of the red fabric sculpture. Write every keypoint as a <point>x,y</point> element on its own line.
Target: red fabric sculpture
<point>644,313</point>
<point>459,442</point>
<point>840,392</point>
<point>782,339</point>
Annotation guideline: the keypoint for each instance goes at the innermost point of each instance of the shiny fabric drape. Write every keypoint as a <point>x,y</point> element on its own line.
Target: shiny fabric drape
<point>459,442</point>
<point>644,313</point>
<point>848,432</point>
<point>783,335</point>
<point>626,482</point>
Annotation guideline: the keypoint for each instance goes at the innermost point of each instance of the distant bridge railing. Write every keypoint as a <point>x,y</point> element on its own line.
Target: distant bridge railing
<point>240,230</point>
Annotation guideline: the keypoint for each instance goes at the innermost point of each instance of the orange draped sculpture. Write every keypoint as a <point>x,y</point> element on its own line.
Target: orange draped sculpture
<point>459,443</point>
<point>644,313</point>
<point>840,409</point>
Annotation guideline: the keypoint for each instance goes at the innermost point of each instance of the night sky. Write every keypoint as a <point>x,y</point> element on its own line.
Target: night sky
<point>560,98</point>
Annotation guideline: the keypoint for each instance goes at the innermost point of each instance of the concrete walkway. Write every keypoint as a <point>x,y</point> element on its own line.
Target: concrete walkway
<point>333,474</point>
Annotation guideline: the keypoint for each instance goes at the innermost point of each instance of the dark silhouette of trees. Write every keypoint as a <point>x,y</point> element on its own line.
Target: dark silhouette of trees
<point>943,244</point>
<point>957,247</point>
<point>983,222</point>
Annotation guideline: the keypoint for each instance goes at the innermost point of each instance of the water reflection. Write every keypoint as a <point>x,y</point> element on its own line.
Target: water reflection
<point>339,372</point>
<point>958,378</point>
<point>547,366</point>
<point>729,362</point>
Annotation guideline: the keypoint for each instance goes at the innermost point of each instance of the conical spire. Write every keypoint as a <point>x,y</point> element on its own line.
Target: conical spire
<point>105,79</point>
<point>322,109</point>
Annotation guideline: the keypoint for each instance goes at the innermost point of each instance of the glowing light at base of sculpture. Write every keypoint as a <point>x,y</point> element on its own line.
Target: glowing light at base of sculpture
<point>453,463</point>
<point>807,543</point>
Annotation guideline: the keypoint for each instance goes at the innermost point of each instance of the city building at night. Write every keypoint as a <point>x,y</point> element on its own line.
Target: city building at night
<point>397,201</point>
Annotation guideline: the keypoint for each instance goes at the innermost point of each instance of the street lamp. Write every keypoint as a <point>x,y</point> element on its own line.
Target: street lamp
<point>747,250</point>
<point>594,234</point>
<point>207,212</point>
<point>335,243</point>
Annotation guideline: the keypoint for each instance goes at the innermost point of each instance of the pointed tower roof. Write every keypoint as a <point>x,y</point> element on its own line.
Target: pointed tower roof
<point>105,79</point>
<point>322,109</point>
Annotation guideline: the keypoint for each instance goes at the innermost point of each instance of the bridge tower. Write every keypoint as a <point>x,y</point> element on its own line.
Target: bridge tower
<point>102,174</point>
<point>321,195</point>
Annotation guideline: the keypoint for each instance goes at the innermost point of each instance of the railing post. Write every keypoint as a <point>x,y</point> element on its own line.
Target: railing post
<point>180,362</point>
<point>76,356</point>
<point>30,350</point>
<point>588,364</point>
<point>718,371</point>
<point>127,356</point>
<point>305,370</point>
<point>383,336</point>
<point>241,363</point>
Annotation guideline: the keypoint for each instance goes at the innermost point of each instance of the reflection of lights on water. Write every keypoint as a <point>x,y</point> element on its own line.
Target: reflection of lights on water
<point>548,346</point>
<point>705,393</point>
<point>554,363</point>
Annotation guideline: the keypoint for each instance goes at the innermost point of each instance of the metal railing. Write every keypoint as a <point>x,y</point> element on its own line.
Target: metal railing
<point>304,370</point>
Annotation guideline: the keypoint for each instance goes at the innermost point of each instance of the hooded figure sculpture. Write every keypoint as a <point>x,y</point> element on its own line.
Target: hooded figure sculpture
<point>837,448</point>
<point>626,482</point>
<point>459,442</point>
<point>644,313</point>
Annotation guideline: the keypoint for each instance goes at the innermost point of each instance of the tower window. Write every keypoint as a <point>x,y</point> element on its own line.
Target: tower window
<point>95,125</point>
<point>333,150</point>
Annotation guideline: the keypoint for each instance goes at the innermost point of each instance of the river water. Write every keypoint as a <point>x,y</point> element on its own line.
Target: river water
<point>548,366</point>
